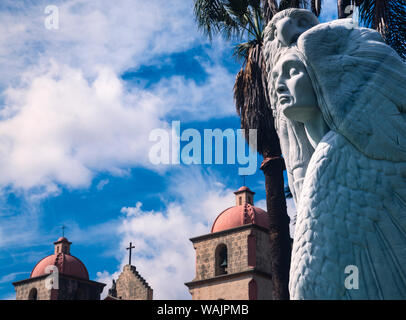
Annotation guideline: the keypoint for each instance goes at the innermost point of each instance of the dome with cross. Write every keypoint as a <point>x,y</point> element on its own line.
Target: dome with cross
<point>244,212</point>
<point>67,264</point>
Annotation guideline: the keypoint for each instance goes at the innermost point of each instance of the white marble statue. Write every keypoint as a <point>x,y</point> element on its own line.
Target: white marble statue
<point>348,90</point>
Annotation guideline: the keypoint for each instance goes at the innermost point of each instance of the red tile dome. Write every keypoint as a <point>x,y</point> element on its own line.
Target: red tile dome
<point>240,215</point>
<point>243,213</point>
<point>66,264</point>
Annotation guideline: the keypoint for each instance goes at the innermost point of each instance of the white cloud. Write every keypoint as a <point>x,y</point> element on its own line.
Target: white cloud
<point>261,204</point>
<point>60,129</point>
<point>67,114</point>
<point>106,277</point>
<point>204,194</point>
<point>164,256</point>
<point>191,101</point>
<point>10,277</point>
<point>102,184</point>
<point>93,33</point>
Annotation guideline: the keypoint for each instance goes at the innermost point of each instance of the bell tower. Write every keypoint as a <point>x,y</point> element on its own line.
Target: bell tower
<point>233,261</point>
<point>244,195</point>
<point>62,245</point>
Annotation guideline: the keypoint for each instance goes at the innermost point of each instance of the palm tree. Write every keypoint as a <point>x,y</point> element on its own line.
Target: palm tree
<point>245,20</point>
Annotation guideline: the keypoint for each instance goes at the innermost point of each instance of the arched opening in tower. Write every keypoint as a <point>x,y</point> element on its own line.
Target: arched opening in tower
<point>221,259</point>
<point>33,295</point>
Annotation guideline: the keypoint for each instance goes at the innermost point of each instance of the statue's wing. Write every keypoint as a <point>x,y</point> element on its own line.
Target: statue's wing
<point>380,250</point>
<point>352,213</point>
<point>361,86</point>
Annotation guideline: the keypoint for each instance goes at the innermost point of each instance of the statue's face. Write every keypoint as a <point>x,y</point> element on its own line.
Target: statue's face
<point>294,90</point>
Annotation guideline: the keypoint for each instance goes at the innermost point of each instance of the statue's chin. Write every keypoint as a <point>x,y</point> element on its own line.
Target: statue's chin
<point>298,113</point>
<point>291,111</point>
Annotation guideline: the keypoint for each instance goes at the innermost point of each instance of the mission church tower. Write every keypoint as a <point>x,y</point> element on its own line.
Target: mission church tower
<point>233,261</point>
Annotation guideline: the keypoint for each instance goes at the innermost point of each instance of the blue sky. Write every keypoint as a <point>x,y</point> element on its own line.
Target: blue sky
<point>77,105</point>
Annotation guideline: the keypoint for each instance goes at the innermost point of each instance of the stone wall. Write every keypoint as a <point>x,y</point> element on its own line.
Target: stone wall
<point>72,289</point>
<point>248,252</point>
<point>131,286</point>
<point>68,289</point>
<point>229,289</point>
<point>233,289</point>
<point>237,248</point>
<point>23,290</point>
<point>237,254</point>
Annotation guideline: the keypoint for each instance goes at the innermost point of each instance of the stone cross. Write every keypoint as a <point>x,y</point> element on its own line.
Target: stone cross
<point>243,179</point>
<point>130,248</point>
<point>63,230</point>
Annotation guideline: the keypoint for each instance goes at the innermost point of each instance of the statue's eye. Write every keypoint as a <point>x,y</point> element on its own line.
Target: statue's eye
<point>293,71</point>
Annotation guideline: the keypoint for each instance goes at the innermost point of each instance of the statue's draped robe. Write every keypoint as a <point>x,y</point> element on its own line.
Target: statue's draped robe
<point>352,212</point>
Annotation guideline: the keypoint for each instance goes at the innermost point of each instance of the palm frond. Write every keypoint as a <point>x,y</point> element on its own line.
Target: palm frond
<point>230,18</point>
<point>270,8</point>
<point>388,17</point>
<point>241,50</point>
<point>252,104</point>
<point>212,17</point>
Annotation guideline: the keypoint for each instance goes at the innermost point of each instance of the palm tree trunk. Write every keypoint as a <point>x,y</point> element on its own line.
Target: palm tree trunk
<point>279,226</point>
<point>341,5</point>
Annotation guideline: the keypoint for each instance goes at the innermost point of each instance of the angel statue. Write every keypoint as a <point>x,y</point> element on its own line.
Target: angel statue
<point>348,90</point>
